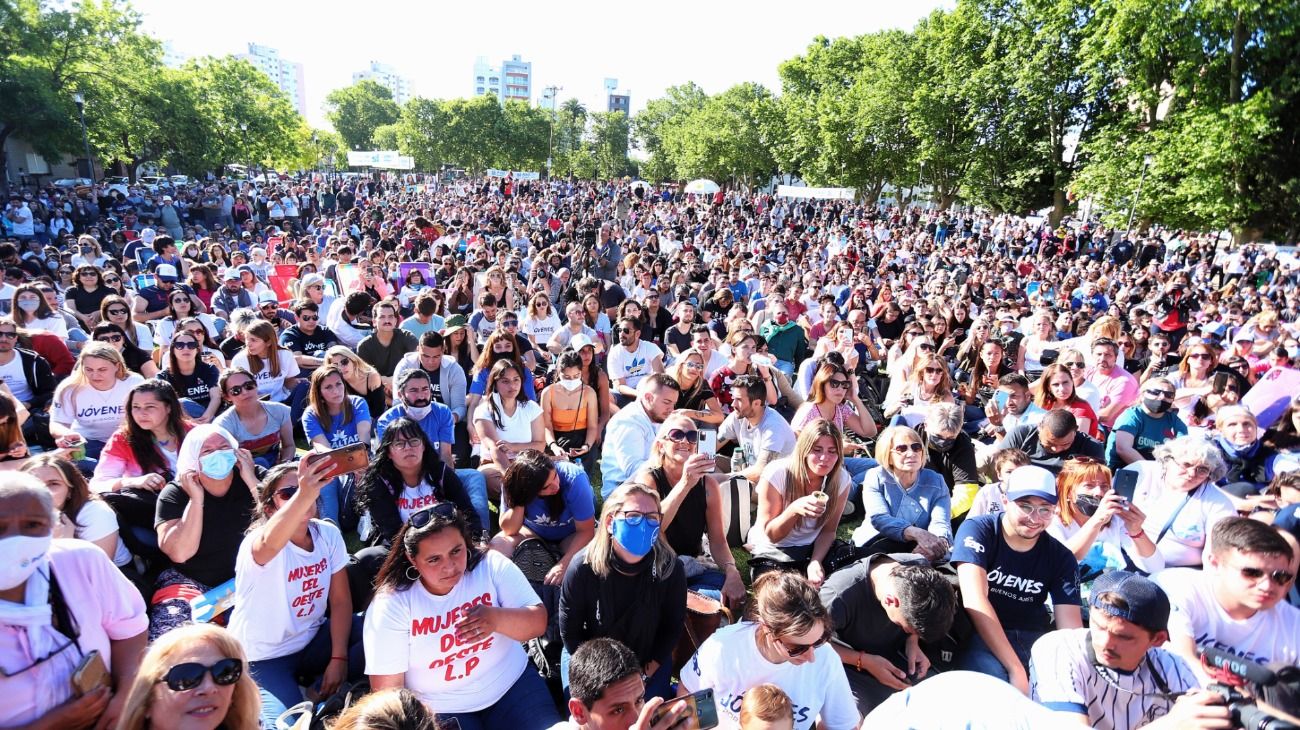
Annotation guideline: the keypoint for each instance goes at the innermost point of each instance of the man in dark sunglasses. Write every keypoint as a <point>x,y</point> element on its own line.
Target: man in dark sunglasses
<point>1237,602</point>
<point>631,360</point>
<point>308,339</point>
<point>29,377</point>
<point>1140,429</point>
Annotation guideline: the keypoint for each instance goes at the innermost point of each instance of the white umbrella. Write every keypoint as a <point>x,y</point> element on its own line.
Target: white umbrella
<point>702,186</point>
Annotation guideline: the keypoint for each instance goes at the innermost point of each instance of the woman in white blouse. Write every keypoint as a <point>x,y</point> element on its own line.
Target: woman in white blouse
<point>507,423</point>
<point>1176,491</point>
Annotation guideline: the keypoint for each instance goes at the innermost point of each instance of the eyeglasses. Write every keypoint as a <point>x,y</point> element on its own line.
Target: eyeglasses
<point>1160,393</point>
<point>634,517</point>
<point>1256,575</point>
<point>693,365</point>
<point>184,345</point>
<point>1199,470</point>
<point>933,371</point>
<point>795,650</point>
<point>421,519</point>
<point>109,338</point>
<point>510,323</point>
<point>1199,356</point>
<point>682,435</point>
<point>188,676</point>
<point>925,347</point>
<point>8,335</point>
<point>1074,365</point>
<point>914,447</point>
<point>407,443</point>
<point>111,280</point>
<point>238,389</point>
<point>838,384</point>
<point>1042,513</point>
<point>626,330</point>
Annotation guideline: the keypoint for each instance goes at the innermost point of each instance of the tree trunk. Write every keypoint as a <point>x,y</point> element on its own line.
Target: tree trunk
<point>1059,204</point>
<point>4,162</point>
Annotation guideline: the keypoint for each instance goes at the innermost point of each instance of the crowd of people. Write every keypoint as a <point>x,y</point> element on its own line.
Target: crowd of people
<point>534,454</point>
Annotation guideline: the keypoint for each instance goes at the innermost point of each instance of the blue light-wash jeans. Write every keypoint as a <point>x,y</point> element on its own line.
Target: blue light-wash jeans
<point>279,679</point>
<point>978,657</point>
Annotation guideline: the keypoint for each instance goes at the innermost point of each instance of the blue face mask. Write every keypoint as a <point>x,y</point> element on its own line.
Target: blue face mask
<point>638,539</point>
<point>218,464</point>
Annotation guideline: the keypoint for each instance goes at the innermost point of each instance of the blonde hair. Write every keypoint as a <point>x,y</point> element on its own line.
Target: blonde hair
<point>917,377</point>
<point>675,420</point>
<point>78,379</point>
<point>245,704</point>
<point>674,371</point>
<point>799,482</point>
<point>352,357</point>
<point>600,553</point>
<point>766,703</point>
<point>888,439</point>
<point>390,709</point>
<point>1106,326</point>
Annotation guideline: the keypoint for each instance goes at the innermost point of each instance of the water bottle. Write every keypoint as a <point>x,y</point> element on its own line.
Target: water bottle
<point>738,461</point>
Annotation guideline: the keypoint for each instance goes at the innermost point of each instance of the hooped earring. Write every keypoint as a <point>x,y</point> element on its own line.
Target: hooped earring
<point>410,577</point>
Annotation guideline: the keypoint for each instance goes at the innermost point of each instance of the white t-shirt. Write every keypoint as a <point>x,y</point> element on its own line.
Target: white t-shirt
<point>53,324</point>
<point>516,429</point>
<point>413,632</point>
<point>540,329</point>
<point>959,700</point>
<point>1189,533</point>
<point>96,521</point>
<point>414,499</point>
<point>95,414</point>
<point>633,365</point>
<point>1064,679</point>
<point>1268,636</point>
<point>280,606</point>
<point>12,374</point>
<point>805,531</point>
<point>729,663</point>
<point>270,387</point>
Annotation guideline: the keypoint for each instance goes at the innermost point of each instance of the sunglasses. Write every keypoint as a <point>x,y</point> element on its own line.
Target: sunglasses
<point>627,330</point>
<point>1160,393</point>
<point>933,371</point>
<point>1074,365</point>
<point>914,447</point>
<point>109,338</point>
<point>286,493</point>
<point>8,335</point>
<point>680,435</point>
<point>925,347</point>
<point>239,389</point>
<point>188,676</point>
<point>840,384</point>
<point>184,345</point>
<point>306,318</point>
<point>1255,575</point>
<point>111,280</point>
<point>421,519</point>
<point>510,323</point>
<point>794,650</point>
<point>1199,356</point>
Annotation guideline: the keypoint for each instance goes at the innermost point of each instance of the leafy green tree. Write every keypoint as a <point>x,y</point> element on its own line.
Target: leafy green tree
<point>249,118</point>
<point>609,141</point>
<point>730,137</point>
<point>658,116</point>
<point>49,51</point>
<point>523,136</point>
<point>356,111</point>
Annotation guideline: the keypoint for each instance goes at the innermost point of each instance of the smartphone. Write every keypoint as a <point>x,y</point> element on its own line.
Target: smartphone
<point>347,459</point>
<point>709,444</point>
<point>702,715</point>
<point>1000,399</point>
<point>1125,483</point>
<point>90,674</point>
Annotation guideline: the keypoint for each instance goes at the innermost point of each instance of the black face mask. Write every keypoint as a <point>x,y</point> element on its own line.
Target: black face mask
<point>1087,504</point>
<point>938,443</point>
<point>1158,406</point>
<point>499,356</point>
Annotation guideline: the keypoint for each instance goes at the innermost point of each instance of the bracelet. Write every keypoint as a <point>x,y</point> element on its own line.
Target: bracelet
<point>1139,533</point>
<point>338,659</point>
<point>857,662</point>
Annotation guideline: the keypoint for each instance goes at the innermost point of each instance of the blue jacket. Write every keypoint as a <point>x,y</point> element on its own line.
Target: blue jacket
<point>890,509</point>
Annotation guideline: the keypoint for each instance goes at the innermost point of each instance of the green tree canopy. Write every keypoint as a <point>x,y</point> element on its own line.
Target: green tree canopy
<point>356,111</point>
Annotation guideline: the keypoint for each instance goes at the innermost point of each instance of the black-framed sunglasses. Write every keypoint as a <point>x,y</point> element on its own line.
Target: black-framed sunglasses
<point>113,338</point>
<point>286,493</point>
<point>795,650</point>
<point>37,662</point>
<point>5,335</point>
<point>184,345</point>
<point>680,435</point>
<point>914,447</point>
<point>1159,393</point>
<point>188,676</point>
<point>421,519</point>
<point>115,312</point>
<point>239,389</point>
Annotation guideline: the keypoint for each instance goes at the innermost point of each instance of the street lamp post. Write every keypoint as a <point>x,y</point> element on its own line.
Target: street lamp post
<point>89,169</point>
<point>1132,209</point>
<point>550,136</point>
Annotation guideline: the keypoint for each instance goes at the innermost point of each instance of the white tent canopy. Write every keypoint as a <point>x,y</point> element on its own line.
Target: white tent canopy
<point>702,187</point>
<point>796,191</point>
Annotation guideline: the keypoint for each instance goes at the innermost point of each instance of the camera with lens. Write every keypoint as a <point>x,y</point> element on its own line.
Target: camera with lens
<point>1258,697</point>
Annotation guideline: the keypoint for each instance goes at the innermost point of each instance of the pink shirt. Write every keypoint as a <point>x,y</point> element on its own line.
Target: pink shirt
<point>105,607</point>
<point>1118,387</point>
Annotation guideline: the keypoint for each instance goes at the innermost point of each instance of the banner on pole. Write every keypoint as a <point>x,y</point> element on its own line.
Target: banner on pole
<point>792,191</point>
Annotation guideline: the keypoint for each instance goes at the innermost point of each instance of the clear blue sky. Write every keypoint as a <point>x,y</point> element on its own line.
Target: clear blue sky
<point>646,46</point>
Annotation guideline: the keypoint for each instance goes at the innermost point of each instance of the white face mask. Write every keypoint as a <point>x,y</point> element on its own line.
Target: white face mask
<point>418,414</point>
<point>571,384</point>
<point>23,555</point>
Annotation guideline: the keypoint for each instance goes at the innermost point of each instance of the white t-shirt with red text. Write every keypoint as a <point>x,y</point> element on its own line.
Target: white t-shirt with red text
<point>280,606</point>
<point>413,632</point>
<point>414,499</point>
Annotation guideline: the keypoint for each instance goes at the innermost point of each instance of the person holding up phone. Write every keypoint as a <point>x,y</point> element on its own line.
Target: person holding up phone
<point>290,568</point>
<point>1100,526</point>
<point>607,692</point>
<point>692,505</point>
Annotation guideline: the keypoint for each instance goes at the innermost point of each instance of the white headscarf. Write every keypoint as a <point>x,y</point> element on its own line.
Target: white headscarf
<point>188,458</point>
